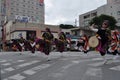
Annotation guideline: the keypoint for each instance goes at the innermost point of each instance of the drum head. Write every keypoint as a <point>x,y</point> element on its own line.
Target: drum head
<point>93,41</point>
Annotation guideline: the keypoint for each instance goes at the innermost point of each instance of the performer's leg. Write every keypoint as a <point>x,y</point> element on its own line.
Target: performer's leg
<point>103,56</point>
<point>22,50</point>
<point>104,59</point>
<point>116,55</point>
<point>33,50</point>
<point>47,50</point>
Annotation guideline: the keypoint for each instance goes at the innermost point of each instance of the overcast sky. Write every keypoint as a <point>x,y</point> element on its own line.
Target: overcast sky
<point>66,11</point>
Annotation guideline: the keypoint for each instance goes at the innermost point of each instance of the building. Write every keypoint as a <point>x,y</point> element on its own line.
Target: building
<point>112,8</point>
<point>21,11</point>
<point>27,30</point>
<point>31,11</point>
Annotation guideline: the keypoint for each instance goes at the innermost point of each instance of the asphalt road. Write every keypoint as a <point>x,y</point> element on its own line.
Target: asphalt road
<point>65,66</point>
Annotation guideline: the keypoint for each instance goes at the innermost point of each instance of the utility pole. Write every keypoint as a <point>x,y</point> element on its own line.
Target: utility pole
<point>75,22</point>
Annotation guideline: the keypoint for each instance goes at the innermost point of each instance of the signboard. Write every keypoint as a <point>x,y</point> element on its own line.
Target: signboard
<point>22,18</point>
<point>26,19</point>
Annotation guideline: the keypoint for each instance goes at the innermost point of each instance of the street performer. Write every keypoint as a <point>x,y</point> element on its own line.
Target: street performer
<point>103,35</point>
<point>21,45</point>
<point>114,43</point>
<point>86,46</point>
<point>61,42</point>
<point>48,38</point>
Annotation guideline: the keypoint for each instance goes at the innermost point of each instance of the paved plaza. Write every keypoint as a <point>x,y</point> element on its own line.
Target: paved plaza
<point>65,66</point>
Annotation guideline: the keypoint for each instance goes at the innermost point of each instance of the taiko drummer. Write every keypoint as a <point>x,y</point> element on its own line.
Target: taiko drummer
<point>103,35</point>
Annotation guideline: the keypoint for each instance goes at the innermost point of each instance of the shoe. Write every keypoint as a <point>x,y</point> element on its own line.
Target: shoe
<point>48,58</point>
<point>105,61</point>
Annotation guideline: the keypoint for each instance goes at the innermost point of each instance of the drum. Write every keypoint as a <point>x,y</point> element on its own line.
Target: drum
<point>93,41</point>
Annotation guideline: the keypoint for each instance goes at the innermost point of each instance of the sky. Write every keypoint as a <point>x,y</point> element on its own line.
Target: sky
<point>67,11</point>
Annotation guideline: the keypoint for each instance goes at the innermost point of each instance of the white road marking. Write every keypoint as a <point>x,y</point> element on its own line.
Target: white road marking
<point>9,69</point>
<point>29,72</point>
<point>3,61</point>
<point>2,72</point>
<point>67,66</point>
<point>94,72</point>
<point>96,64</point>
<point>40,67</point>
<point>6,64</point>
<point>5,79</point>
<point>34,70</point>
<point>56,75</point>
<point>27,64</point>
<point>112,61</point>
<point>20,60</point>
<point>76,62</point>
<point>96,59</point>
<point>17,77</point>
<point>117,68</point>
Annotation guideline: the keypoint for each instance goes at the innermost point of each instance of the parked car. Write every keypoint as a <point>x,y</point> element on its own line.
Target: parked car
<point>73,45</point>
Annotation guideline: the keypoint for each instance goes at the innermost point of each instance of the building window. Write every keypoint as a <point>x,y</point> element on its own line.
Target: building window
<point>93,14</point>
<point>86,16</point>
<point>118,12</point>
<point>118,20</point>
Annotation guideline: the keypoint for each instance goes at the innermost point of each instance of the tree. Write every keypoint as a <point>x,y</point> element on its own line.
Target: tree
<point>99,19</point>
<point>66,26</point>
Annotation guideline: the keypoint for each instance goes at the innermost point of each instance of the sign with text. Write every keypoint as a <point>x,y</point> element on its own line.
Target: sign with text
<point>26,19</point>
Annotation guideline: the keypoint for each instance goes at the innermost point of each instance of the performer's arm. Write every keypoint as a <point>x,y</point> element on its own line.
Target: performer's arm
<point>93,29</point>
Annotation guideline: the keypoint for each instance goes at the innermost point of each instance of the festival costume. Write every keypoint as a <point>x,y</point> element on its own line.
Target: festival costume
<point>47,40</point>
<point>21,47</point>
<point>40,44</point>
<point>61,42</point>
<point>32,46</point>
<point>114,43</point>
<point>86,47</point>
<point>14,47</point>
<point>104,38</point>
<point>103,41</point>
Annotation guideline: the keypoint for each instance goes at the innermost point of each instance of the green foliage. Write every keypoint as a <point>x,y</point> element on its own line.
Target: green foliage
<point>99,19</point>
<point>66,26</point>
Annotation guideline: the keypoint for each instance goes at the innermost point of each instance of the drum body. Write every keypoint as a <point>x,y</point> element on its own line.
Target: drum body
<point>93,41</point>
